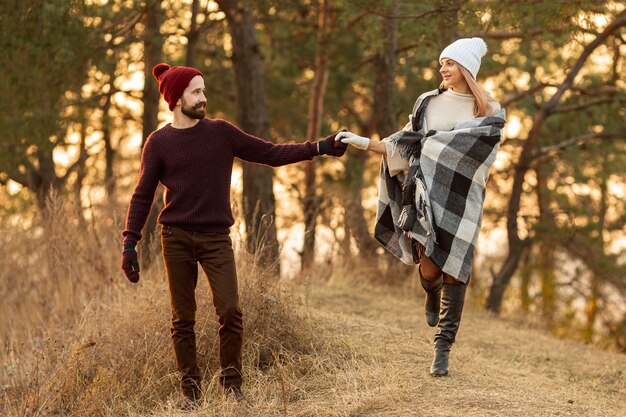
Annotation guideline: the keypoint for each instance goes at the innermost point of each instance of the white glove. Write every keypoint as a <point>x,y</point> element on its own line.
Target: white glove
<point>355,140</point>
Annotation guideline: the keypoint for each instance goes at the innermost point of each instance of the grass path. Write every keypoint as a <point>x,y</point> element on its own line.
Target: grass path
<point>342,351</point>
<point>497,368</point>
<point>370,356</point>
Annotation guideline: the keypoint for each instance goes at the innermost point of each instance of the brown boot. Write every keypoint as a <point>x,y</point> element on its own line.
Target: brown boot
<point>234,392</point>
<point>192,394</point>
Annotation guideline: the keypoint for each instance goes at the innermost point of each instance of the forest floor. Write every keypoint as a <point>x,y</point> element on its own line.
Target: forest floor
<point>498,367</point>
<point>372,355</point>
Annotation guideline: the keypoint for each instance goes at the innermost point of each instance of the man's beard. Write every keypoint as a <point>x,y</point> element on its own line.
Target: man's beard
<point>195,112</point>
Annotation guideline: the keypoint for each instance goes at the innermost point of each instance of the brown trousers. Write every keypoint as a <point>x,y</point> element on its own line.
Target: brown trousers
<point>182,251</point>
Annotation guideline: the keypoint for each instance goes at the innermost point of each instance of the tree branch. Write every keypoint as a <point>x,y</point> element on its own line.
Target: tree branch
<point>544,152</point>
<point>531,90</point>
<point>350,26</point>
<point>122,28</point>
<point>620,20</point>
<point>398,52</point>
<point>17,177</point>
<point>603,90</point>
<point>597,262</point>
<point>515,35</point>
<point>581,106</point>
<point>84,155</point>
<point>415,16</point>
<point>81,159</point>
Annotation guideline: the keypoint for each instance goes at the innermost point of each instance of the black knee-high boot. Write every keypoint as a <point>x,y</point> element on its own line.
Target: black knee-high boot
<point>452,300</point>
<point>433,298</point>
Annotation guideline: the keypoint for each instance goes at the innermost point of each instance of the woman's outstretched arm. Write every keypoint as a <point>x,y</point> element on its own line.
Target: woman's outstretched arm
<point>362,143</point>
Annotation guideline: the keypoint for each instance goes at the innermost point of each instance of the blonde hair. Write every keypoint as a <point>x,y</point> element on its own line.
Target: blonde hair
<point>481,96</point>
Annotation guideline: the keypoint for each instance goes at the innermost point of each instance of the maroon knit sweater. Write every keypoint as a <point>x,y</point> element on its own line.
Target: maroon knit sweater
<point>195,166</point>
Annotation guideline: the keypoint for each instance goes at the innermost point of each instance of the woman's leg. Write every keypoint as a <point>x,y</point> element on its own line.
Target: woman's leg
<point>452,301</point>
<point>432,282</point>
<point>428,270</point>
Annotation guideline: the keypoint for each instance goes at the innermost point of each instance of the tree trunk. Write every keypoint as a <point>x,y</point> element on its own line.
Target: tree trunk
<point>153,54</point>
<point>192,35</point>
<point>355,220</point>
<point>526,275</point>
<point>591,310</point>
<point>109,152</point>
<point>258,194</point>
<point>546,248</point>
<point>503,277</point>
<point>316,109</point>
<point>384,112</point>
<point>594,294</point>
<point>81,171</point>
<point>43,179</point>
<point>383,122</point>
<point>385,70</point>
<point>548,284</point>
<point>448,22</point>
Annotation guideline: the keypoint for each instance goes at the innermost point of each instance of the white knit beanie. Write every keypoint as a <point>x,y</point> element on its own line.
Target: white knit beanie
<point>467,52</point>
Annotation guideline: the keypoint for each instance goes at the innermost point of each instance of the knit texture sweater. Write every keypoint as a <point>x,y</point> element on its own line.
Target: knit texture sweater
<point>195,166</point>
<point>444,112</point>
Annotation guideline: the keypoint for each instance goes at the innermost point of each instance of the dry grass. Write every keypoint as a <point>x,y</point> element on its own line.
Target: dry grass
<point>84,341</point>
<point>498,367</point>
<point>119,361</point>
<point>333,344</point>
<point>52,268</point>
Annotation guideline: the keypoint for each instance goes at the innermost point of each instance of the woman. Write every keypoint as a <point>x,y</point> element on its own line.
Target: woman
<point>432,185</point>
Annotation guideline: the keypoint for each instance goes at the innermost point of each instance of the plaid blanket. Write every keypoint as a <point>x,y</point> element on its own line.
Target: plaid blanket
<point>439,203</point>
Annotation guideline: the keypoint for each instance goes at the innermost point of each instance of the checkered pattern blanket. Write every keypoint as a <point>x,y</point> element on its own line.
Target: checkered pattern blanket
<point>439,203</point>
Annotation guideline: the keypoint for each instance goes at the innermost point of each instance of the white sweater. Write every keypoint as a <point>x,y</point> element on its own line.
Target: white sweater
<point>444,112</point>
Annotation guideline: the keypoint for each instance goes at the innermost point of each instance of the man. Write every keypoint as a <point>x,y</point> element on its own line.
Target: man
<point>193,158</point>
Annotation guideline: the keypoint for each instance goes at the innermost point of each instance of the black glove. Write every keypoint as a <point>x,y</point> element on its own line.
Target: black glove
<point>328,145</point>
<point>130,264</point>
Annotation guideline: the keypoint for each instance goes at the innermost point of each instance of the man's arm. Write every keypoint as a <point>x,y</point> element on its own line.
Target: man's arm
<point>141,201</point>
<point>253,149</point>
<point>138,210</point>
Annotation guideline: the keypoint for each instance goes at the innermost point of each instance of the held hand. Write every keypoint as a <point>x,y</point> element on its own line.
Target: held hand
<point>355,140</point>
<point>332,146</point>
<point>130,264</point>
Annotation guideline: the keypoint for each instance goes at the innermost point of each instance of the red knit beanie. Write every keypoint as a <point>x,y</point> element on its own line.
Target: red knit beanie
<point>173,81</point>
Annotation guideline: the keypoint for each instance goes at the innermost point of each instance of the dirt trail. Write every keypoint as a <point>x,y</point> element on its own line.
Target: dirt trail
<point>497,368</point>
